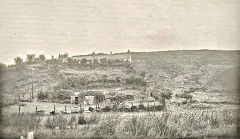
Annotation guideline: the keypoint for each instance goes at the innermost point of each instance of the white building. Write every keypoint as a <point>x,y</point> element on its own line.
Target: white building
<point>89,100</point>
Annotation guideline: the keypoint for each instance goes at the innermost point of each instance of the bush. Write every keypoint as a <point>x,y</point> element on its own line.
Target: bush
<point>42,96</point>
<point>81,120</point>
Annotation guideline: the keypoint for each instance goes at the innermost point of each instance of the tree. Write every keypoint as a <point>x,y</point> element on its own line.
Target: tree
<point>42,96</point>
<point>30,58</point>
<point>2,67</point>
<point>42,57</point>
<point>18,60</point>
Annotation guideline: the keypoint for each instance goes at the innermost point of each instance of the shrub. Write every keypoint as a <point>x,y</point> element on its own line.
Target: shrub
<point>42,96</point>
<point>81,120</point>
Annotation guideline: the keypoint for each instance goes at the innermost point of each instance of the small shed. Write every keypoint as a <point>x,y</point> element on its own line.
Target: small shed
<point>75,98</point>
<point>87,97</point>
<point>89,100</point>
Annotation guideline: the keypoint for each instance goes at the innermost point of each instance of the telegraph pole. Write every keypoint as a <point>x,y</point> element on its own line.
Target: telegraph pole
<point>32,82</point>
<point>146,90</point>
<point>30,96</point>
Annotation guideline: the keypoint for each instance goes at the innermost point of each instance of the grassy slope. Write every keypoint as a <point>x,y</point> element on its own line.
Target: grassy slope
<point>55,77</point>
<point>226,80</point>
<point>170,69</point>
<point>213,74</point>
<point>19,81</point>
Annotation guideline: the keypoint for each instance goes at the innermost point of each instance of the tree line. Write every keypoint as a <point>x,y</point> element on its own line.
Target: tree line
<point>30,58</point>
<point>33,58</point>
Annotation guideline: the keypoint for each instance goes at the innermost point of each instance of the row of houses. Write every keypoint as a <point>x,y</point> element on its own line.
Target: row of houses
<point>99,58</point>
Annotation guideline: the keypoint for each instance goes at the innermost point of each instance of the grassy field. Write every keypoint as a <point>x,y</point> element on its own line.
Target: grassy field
<point>184,123</point>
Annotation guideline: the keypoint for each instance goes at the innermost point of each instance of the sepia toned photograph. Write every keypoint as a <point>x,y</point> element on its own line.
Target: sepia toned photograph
<point>127,69</point>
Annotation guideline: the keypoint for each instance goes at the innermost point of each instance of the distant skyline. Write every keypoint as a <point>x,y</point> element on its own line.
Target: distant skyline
<point>82,27</point>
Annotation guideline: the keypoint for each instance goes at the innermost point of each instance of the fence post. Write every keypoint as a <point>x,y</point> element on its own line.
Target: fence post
<point>148,106</point>
<point>30,97</point>
<point>19,98</point>
<point>148,101</point>
<point>54,109</point>
<point>65,108</point>
<point>80,107</point>
<point>154,106</point>
<point>19,109</point>
<point>36,108</point>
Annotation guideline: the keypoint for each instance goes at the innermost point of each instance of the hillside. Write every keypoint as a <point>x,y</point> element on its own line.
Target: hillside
<point>188,71</point>
<point>188,57</point>
<point>226,80</point>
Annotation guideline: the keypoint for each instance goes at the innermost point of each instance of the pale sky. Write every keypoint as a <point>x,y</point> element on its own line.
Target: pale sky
<point>83,26</point>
